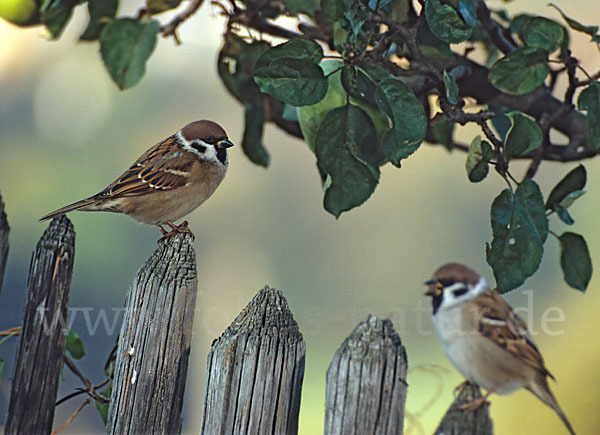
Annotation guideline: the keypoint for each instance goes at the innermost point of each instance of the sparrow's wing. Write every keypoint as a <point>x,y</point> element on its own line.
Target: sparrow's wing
<point>503,326</point>
<point>162,167</point>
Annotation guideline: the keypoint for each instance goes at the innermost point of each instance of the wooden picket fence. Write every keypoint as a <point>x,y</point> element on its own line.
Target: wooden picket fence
<point>255,368</point>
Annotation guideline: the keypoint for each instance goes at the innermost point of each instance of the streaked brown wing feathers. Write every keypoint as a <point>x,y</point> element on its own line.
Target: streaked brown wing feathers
<point>504,327</point>
<point>162,167</point>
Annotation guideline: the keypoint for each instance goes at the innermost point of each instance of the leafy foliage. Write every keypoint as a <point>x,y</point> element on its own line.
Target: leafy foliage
<point>366,82</point>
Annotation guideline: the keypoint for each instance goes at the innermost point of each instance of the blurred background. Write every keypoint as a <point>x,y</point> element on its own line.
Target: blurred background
<point>66,131</point>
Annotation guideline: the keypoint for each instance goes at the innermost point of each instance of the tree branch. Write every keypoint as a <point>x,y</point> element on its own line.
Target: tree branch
<point>170,29</point>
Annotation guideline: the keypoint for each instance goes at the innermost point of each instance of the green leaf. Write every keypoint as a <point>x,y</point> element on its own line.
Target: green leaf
<point>445,23</point>
<point>571,197</point>
<point>480,153</point>
<point>500,121</point>
<point>344,144</point>
<point>575,260</point>
<point>451,88</point>
<point>56,14</point>
<point>520,71</point>
<point>158,6</point>
<point>298,82</point>
<point>564,215</point>
<point>101,11</point>
<point>74,345</point>
<point>295,7</point>
<point>442,131</point>
<point>297,48</point>
<point>125,46</point>
<point>429,44</point>
<point>520,228</point>
<point>543,33</point>
<point>398,102</point>
<point>468,10</point>
<point>253,131</point>
<point>101,406</point>
<point>575,25</point>
<point>589,100</point>
<point>572,182</point>
<point>523,136</point>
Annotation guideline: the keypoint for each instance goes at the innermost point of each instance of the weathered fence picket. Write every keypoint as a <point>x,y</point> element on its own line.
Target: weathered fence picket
<point>255,371</point>
<point>457,422</point>
<point>366,382</point>
<point>39,356</point>
<point>154,343</point>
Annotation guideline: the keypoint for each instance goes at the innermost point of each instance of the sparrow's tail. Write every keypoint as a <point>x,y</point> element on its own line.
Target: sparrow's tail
<point>542,391</point>
<point>84,205</point>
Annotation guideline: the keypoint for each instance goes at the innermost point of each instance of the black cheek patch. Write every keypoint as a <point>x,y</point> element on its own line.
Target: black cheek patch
<point>199,147</point>
<point>222,155</point>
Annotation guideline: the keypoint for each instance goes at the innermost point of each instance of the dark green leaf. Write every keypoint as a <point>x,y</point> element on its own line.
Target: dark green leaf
<point>253,131</point>
<point>500,121</point>
<point>295,7</point>
<point>400,10</point>
<point>523,136</point>
<point>158,6</point>
<point>74,345</point>
<point>298,82</point>
<point>480,153</point>
<point>520,71</point>
<point>451,88</point>
<point>518,23</point>
<point>575,260</point>
<point>398,102</point>
<point>575,25</point>
<point>101,11</point>
<point>102,406</point>
<point>445,23</point>
<point>543,33</point>
<point>430,45</point>
<point>571,197</point>
<point>293,49</point>
<point>572,182</point>
<point>126,45</point>
<point>589,100</point>
<point>56,14</point>
<point>520,228</point>
<point>344,144</point>
<point>564,215</point>
<point>442,133</point>
<point>468,10</point>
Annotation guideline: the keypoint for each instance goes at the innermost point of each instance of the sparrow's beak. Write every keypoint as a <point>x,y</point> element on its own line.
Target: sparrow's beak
<point>435,288</point>
<point>225,143</point>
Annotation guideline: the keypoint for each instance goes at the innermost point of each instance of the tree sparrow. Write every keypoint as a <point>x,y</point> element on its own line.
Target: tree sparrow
<point>485,339</point>
<point>168,181</point>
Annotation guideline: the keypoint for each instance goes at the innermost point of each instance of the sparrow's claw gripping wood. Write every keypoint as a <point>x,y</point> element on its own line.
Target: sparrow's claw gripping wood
<point>477,403</point>
<point>175,229</point>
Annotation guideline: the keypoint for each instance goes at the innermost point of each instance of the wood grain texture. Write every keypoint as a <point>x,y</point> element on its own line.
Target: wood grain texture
<point>41,345</point>
<point>4,230</point>
<point>255,371</point>
<point>366,382</point>
<point>457,422</point>
<point>154,344</point>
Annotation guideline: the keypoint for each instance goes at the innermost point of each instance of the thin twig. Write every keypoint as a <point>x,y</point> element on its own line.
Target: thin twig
<point>70,419</point>
<point>170,29</point>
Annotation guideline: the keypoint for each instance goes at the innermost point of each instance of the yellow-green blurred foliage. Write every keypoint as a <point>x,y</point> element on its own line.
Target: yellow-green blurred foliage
<point>66,132</point>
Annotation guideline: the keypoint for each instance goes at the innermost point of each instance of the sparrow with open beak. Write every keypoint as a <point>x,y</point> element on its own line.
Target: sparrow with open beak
<point>168,181</point>
<point>485,339</point>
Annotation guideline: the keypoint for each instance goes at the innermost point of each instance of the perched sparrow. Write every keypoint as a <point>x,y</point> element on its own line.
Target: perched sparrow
<point>485,339</point>
<point>168,181</point>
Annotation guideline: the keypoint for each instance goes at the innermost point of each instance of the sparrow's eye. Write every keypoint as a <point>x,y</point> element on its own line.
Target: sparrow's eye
<point>447,282</point>
<point>210,139</point>
<point>460,291</point>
